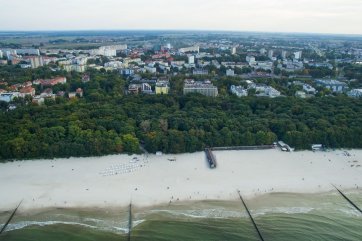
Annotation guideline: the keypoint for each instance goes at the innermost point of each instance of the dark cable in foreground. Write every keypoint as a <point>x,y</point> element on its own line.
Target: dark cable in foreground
<point>251,217</point>
<point>10,218</point>
<point>349,200</point>
<point>129,222</point>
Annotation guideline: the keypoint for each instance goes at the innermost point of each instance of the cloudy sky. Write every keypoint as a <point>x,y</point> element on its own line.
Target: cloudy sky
<point>319,16</point>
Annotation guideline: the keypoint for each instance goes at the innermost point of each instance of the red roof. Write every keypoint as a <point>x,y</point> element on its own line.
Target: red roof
<point>27,89</point>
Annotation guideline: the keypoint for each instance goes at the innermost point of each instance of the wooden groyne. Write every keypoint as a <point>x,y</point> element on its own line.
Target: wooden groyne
<point>348,200</point>
<point>243,148</point>
<point>210,158</point>
<point>129,222</point>
<point>10,218</point>
<point>251,217</point>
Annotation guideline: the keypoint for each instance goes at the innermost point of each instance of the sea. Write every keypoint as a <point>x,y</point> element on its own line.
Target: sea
<point>278,216</point>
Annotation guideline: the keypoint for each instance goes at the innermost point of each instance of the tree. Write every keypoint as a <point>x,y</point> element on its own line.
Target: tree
<point>130,143</point>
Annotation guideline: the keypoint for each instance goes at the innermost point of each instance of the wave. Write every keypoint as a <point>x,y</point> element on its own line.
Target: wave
<point>24,224</point>
<point>205,213</point>
<point>222,213</point>
<point>283,210</point>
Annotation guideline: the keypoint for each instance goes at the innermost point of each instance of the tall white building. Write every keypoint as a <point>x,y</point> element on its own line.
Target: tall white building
<point>270,54</point>
<point>36,62</point>
<point>298,55</point>
<point>191,59</point>
<point>284,54</point>
<point>110,51</point>
<point>233,50</point>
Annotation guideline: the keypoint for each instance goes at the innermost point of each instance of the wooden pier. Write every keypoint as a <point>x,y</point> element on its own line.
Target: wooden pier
<point>243,148</point>
<point>210,158</point>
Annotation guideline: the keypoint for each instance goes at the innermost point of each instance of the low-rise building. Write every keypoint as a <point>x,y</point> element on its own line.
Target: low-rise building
<point>300,94</point>
<point>133,88</point>
<point>28,90</point>
<point>355,93</point>
<point>230,72</point>
<point>239,91</point>
<point>333,85</point>
<point>202,87</point>
<point>264,90</point>
<point>39,100</point>
<point>8,97</point>
<point>271,92</point>
<point>309,89</point>
<point>162,87</point>
<point>190,49</point>
<point>52,82</point>
<point>85,78</point>
<point>150,69</point>
<point>79,92</point>
<point>146,88</point>
<point>200,72</point>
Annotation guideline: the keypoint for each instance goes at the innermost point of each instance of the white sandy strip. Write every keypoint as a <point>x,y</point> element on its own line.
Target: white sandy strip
<point>80,182</point>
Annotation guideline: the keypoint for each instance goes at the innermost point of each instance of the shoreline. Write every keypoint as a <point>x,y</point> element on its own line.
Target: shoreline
<point>115,181</point>
<point>181,203</point>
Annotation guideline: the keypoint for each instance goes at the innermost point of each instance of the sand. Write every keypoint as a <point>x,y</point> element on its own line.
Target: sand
<point>89,182</point>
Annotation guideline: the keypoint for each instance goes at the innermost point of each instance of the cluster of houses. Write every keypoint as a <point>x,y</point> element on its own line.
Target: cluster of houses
<point>261,90</point>
<point>29,89</point>
<point>166,59</point>
<point>149,86</point>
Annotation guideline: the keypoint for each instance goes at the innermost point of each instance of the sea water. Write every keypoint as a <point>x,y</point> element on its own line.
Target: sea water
<point>279,216</point>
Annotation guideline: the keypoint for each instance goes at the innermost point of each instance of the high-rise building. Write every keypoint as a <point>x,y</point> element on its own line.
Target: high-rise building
<point>270,54</point>
<point>284,54</point>
<point>233,50</point>
<point>36,62</point>
<point>191,59</point>
<point>109,51</point>
<point>298,55</point>
<point>262,51</point>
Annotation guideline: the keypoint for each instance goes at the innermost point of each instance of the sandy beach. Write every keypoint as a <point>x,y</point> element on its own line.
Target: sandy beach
<point>146,181</point>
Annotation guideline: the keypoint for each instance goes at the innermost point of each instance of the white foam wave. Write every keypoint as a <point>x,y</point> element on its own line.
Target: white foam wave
<point>222,213</point>
<point>101,225</point>
<point>205,213</point>
<point>284,210</point>
<point>24,224</point>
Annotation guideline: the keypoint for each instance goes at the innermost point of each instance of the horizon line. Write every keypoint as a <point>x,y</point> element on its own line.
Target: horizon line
<point>177,30</point>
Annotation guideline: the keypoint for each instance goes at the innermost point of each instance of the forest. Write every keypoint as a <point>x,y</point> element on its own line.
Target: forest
<point>106,121</point>
<point>175,124</point>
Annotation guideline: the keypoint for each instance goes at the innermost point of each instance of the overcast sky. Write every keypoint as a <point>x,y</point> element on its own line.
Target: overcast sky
<point>319,16</point>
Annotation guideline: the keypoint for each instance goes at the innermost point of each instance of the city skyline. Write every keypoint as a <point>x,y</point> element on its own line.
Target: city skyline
<point>301,16</point>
